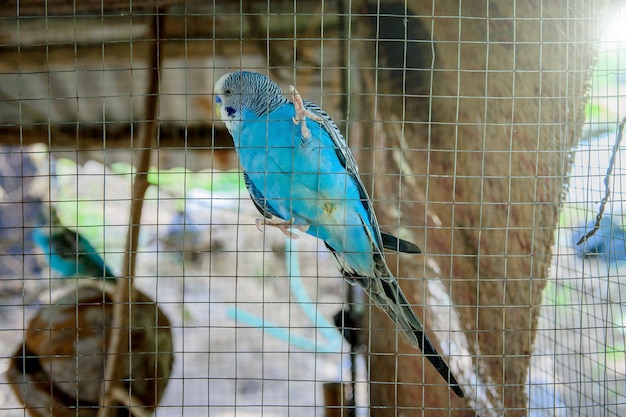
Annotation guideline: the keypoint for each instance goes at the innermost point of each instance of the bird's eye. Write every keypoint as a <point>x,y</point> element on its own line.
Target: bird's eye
<point>227,92</point>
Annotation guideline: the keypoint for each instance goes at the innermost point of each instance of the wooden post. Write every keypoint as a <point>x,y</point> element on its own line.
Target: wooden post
<point>338,400</point>
<point>119,342</point>
<point>472,125</point>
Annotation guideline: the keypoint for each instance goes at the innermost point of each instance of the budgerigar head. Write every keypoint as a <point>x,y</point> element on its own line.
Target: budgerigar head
<point>243,90</point>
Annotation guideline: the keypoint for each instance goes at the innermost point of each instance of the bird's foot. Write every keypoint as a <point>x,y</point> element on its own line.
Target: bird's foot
<point>282,225</point>
<point>301,112</point>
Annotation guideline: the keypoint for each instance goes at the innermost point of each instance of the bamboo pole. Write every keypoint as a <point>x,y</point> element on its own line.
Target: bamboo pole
<point>123,297</point>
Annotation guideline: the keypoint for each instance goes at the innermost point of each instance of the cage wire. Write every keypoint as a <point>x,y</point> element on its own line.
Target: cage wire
<point>135,281</point>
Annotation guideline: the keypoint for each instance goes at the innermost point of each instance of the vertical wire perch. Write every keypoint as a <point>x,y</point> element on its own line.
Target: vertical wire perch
<point>607,184</point>
<point>345,27</point>
<point>113,389</point>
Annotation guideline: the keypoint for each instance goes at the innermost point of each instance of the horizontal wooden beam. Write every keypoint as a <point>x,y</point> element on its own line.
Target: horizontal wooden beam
<point>34,8</point>
<point>72,7</point>
<point>203,25</point>
<point>118,137</point>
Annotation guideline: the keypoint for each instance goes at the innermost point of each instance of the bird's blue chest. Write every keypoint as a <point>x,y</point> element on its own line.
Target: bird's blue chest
<point>276,156</point>
<point>305,181</point>
<point>301,178</point>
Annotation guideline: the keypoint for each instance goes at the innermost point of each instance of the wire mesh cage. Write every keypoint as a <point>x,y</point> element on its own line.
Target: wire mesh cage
<point>139,278</point>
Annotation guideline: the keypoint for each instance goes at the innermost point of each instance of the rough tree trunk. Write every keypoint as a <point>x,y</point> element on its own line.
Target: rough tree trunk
<point>471,156</point>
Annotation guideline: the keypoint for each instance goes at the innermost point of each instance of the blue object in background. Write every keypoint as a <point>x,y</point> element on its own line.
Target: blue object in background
<point>332,340</point>
<point>68,252</point>
<point>609,241</point>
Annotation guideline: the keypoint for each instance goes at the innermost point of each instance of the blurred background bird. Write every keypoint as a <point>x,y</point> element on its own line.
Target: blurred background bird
<point>301,175</point>
<point>608,241</point>
<point>67,251</point>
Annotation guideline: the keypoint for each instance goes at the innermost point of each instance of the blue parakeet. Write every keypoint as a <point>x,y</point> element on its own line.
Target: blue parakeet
<point>301,175</point>
<point>68,252</point>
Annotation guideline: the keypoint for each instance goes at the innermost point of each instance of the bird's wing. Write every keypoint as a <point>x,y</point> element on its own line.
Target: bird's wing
<point>346,158</point>
<point>259,200</point>
<point>382,288</point>
<point>341,147</point>
<point>348,162</point>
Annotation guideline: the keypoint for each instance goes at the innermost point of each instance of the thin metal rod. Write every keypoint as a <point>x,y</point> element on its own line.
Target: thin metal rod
<point>607,184</point>
<point>344,10</point>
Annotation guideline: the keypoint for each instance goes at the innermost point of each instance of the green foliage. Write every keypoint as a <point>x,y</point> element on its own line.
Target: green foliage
<point>78,211</point>
<point>560,295</point>
<point>615,353</point>
<point>598,113</point>
<point>176,180</point>
<point>573,215</point>
<point>80,198</point>
<point>603,103</point>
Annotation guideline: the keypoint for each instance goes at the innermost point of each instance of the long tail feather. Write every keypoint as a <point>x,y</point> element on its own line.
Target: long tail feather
<point>393,302</point>
<point>394,243</point>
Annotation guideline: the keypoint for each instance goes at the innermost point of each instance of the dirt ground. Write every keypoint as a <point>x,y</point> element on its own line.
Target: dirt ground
<point>226,267</point>
<point>223,268</point>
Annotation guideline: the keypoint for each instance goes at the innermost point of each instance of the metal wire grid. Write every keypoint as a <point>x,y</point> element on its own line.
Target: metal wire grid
<point>214,275</point>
